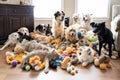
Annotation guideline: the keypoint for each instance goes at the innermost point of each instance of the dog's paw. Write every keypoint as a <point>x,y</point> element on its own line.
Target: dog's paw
<point>46,71</point>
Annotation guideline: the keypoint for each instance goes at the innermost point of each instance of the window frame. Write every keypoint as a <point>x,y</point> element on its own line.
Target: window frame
<point>46,18</point>
<point>100,18</point>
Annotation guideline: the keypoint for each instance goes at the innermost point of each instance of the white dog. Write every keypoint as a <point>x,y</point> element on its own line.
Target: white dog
<point>58,24</point>
<point>23,31</point>
<point>85,21</point>
<point>86,56</point>
<point>13,39</point>
<point>76,18</point>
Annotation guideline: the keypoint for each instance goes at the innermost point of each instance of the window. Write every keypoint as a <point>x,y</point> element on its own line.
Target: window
<point>99,8</point>
<point>46,8</point>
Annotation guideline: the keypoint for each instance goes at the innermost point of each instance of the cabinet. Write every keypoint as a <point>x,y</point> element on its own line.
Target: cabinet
<point>12,17</point>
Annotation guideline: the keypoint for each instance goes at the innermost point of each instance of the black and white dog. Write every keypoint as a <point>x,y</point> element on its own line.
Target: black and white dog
<point>104,36</point>
<point>58,24</point>
<point>41,29</point>
<point>24,34</point>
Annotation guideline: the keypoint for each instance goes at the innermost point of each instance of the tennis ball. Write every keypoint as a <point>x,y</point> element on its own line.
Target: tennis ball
<point>27,67</point>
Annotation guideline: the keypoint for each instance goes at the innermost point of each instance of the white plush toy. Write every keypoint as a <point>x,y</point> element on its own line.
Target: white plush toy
<point>86,56</point>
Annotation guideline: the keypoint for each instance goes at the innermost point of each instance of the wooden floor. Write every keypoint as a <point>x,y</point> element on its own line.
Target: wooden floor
<point>90,73</point>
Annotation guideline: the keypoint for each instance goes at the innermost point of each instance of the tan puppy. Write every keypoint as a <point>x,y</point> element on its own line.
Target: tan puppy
<point>71,34</point>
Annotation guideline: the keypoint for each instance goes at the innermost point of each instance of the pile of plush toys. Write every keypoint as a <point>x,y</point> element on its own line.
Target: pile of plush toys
<point>68,57</point>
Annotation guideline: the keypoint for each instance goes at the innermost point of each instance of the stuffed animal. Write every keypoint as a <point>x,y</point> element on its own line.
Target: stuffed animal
<point>53,64</point>
<point>86,56</point>
<point>17,57</point>
<point>72,70</point>
<point>103,62</point>
<point>37,36</point>
<point>36,63</point>
<point>64,63</point>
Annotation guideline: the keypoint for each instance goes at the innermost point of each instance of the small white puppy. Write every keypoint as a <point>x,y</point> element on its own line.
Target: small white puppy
<point>58,24</point>
<point>13,39</point>
<point>85,21</point>
<point>76,18</point>
<point>23,31</point>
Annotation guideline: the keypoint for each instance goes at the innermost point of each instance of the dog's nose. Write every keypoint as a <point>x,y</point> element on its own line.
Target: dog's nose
<point>72,34</point>
<point>25,33</point>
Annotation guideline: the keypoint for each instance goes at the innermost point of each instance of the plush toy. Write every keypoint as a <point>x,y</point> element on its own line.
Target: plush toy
<point>70,50</point>
<point>19,57</point>
<point>103,62</point>
<point>52,64</point>
<point>83,31</point>
<point>72,70</point>
<point>36,63</point>
<point>64,63</point>
<point>9,53</point>
<point>9,59</point>
<point>86,57</point>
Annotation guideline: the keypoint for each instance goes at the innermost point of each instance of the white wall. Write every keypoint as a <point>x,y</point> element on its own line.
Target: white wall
<point>69,9</point>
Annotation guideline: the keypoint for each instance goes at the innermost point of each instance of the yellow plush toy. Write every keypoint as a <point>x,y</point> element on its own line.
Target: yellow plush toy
<point>17,57</point>
<point>103,62</point>
<point>64,63</point>
<point>36,63</point>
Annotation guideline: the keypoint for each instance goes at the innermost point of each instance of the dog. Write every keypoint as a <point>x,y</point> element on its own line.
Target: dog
<point>13,39</point>
<point>24,34</point>
<point>66,21</point>
<point>58,24</point>
<point>23,31</point>
<point>48,30</point>
<point>104,36</point>
<point>76,18</point>
<point>41,29</point>
<point>71,35</point>
<point>85,21</point>
<point>45,56</point>
<point>28,46</point>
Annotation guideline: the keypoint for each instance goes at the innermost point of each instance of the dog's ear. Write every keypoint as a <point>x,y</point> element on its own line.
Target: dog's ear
<point>102,24</point>
<point>63,13</point>
<point>92,24</point>
<point>20,33</point>
<point>56,13</point>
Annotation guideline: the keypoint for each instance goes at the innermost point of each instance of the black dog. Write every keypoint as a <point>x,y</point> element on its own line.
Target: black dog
<point>67,20</point>
<point>41,29</point>
<point>104,36</point>
<point>48,30</point>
